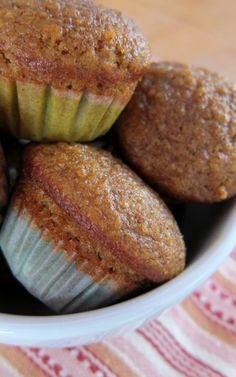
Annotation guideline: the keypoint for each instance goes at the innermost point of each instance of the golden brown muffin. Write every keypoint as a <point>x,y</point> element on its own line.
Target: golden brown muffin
<point>84,204</point>
<point>3,183</point>
<point>70,43</point>
<point>63,53</point>
<point>179,132</point>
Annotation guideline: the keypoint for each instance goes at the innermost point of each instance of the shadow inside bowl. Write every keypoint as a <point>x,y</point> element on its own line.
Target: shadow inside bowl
<point>196,221</point>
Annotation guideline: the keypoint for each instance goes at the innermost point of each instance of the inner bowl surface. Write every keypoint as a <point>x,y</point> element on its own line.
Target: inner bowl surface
<point>210,235</point>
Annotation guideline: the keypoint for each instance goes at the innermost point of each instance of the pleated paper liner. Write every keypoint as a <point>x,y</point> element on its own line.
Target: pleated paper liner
<point>42,113</point>
<point>44,271</point>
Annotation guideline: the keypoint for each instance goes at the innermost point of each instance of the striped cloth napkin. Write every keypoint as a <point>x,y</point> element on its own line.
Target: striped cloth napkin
<point>194,339</point>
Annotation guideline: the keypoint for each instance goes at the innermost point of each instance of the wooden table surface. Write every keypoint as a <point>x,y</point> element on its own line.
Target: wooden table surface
<point>200,32</point>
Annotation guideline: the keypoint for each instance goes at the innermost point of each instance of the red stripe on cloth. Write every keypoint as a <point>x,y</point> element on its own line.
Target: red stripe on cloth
<point>159,349</point>
<point>38,364</point>
<point>196,334</point>
<point>101,362</point>
<point>140,360</point>
<point>216,316</point>
<point>193,360</point>
<point>95,365</point>
<point>224,294</point>
<point>187,365</point>
<point>40,357</point>
<point>175,354</point>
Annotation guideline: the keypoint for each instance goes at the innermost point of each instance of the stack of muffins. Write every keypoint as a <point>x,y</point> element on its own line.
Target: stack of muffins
<point>82,229</point>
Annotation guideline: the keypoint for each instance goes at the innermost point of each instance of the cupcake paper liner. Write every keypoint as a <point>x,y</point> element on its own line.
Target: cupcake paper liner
<point>42,113</point>
<point>44,271</point>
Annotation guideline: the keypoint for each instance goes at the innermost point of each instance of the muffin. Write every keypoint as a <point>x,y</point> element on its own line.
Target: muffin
<point>3,184</point>
<point>67,68</point>
<point>83,230</point>
<point>179,132</point>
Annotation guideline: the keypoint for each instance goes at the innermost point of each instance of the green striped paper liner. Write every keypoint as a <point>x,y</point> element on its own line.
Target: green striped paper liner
<point>42,113</point>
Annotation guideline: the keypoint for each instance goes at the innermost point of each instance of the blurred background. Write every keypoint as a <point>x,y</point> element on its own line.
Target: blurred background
<point>200,32</point>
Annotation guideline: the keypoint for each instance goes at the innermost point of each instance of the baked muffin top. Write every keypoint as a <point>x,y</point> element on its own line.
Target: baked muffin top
<point>179,132</point>
<point>118,211</point>
<point>73,44</point>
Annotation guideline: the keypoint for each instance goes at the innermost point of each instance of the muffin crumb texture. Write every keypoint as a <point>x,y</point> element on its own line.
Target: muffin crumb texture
<point>71,45</point>
<point>111,212</point>
<point>179,132</point>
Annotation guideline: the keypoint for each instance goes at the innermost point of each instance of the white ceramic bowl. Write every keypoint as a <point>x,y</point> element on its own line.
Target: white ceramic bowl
<point>211,236</point>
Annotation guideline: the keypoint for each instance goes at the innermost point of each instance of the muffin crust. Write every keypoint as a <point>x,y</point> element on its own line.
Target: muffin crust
<point>179,132</point>
<point>121,217</point>
<point>73,44</point>
<point>90,258</point>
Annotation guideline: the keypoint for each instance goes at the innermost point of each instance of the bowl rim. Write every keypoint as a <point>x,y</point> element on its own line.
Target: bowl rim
<point>143,307</point>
